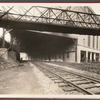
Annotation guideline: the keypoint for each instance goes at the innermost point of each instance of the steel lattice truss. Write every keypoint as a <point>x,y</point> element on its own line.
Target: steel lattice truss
<point>55,16</point>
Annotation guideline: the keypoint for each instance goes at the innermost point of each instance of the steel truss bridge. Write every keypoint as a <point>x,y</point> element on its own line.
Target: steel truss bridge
<point>50,20</point>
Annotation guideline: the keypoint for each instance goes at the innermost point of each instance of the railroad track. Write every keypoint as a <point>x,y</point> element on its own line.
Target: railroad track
<point>71,82</point>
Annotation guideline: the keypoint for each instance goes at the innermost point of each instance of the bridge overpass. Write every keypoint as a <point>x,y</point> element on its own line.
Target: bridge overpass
<point>28,26</point>
<point>51,20</point>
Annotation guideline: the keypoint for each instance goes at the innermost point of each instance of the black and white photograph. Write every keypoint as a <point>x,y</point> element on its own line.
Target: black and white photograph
<point>49,49</point>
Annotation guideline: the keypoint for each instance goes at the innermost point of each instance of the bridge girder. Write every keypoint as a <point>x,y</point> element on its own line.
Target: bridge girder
<point>53,20</point>
<point>10,24</point>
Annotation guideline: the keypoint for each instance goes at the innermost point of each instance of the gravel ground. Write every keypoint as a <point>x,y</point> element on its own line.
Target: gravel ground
<point>48,85</point>
<point>91,74</point>
<point>27,79</point>
<point>90,67</point>
<point>18,80</point>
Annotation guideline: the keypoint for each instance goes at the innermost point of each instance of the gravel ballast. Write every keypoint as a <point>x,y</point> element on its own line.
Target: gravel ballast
<point>49,87</point>
<point>84,72</point>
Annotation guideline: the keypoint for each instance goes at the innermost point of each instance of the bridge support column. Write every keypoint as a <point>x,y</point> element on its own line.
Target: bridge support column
<point>78,56</point>
<point>91,56</point>
<point>94,57</point>
<point>86,56</point>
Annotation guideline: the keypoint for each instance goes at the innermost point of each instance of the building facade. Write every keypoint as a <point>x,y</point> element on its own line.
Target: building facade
<point>88,48</point>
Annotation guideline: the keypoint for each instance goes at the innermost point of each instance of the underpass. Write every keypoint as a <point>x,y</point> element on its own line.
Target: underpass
<point>54,36</point>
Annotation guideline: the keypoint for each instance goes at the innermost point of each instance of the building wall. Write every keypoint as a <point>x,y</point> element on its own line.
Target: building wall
<point>13,55</point>
<point>83,40</point>
<point>70,58</point>
<point>67,57</point>
<point>90,45</point>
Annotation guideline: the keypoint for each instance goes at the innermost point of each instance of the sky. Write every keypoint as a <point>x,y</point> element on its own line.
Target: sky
<point>7,36</point>
<point>94,6</point>
<point>96,9</point>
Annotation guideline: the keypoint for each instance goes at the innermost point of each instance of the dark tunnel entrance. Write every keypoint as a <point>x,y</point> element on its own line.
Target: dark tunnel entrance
<point>44,47</point>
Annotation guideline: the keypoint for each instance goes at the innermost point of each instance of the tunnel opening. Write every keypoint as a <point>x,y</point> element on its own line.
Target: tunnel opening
<point>44,47</point>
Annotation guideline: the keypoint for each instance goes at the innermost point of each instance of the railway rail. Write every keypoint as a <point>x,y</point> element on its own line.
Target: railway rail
<point>71,82</point>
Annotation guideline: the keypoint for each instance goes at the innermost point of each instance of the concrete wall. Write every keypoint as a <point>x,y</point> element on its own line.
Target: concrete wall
<point>71,57</point>
<point>82,40</point>
<point>58,57</point>
<point>13,55</point>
